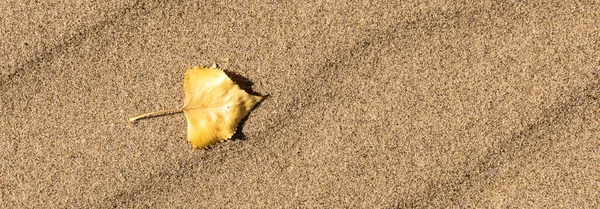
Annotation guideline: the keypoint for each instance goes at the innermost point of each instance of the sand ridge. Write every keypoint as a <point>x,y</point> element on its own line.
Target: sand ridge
<point>379,105</point>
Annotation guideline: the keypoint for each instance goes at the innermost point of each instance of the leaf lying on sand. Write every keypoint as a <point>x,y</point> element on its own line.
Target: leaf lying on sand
<point>213,107</point>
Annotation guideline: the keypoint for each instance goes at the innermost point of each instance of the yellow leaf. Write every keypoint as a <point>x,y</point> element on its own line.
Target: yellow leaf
<point>213,107</point>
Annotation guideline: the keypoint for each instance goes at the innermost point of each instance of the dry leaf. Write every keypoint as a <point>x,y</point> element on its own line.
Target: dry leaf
<point>213,107</point>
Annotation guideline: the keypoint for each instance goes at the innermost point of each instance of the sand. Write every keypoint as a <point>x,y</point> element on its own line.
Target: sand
<point>372,105</point>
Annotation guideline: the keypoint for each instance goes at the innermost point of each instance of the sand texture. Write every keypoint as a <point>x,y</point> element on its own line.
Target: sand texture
<point>371,105</point>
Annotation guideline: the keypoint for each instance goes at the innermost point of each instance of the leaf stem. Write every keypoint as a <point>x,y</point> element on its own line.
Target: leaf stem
<point>157,113</point>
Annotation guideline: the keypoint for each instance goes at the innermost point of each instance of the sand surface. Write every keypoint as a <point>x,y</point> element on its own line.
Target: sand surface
<point>372,105</point>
